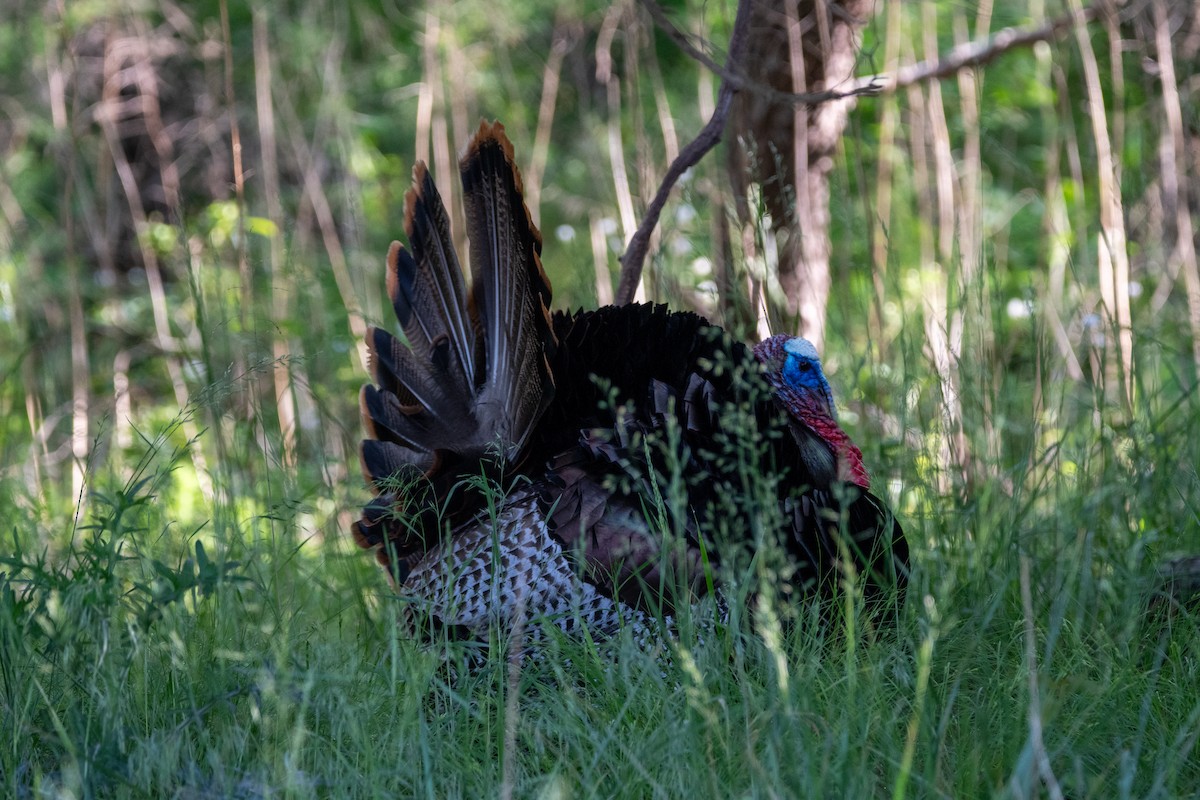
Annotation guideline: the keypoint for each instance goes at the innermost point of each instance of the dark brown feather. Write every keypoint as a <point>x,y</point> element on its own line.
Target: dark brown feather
<point>510,291</point>
<point>467,375</point>
<point>637,445</point>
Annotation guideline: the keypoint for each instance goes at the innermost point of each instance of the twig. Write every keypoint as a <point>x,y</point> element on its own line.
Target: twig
<point>970,54</point>
<point>707,139</point>
<point>612,91</point>
<point>563,38</point>
<point>976,53</point>
<point>745,83</point>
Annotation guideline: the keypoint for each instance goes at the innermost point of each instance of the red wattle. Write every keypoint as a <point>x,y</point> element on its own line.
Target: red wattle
<point>811,410</point>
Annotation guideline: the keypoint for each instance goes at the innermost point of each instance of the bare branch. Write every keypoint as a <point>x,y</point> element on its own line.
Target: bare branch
<point>970,54</point>
<point>976,53</point>
<point>744,83</point>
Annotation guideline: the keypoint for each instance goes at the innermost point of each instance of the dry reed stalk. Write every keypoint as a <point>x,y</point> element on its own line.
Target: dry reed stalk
<point>604,288</point>
<point>1172,151</point>
<point>1111,248</point>
<point>973,301</point>
<point>315,197</point>
<point>1081,219</point>
<point>281,294</point>
<point>662,103</point>
<point>606,76</point>
<point>127,58</point>
<point>808,291</point>
<point>561,39</point>
<point>80,363</point>
<point>640,41</point>
<point>245,274</point>
<point>444,167</point>
<point>461,99</point>
<point>1056,223</point>
<point>944,328</point>
<point>425,98</point>
<point>888,158</point>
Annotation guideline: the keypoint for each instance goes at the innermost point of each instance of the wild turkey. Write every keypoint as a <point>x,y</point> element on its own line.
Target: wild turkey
<point>591,468</point>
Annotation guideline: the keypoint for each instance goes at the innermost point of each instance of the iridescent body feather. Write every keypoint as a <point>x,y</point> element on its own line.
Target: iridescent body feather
<point>592,469</point>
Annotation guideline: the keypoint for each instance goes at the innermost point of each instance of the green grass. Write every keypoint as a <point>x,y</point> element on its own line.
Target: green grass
<point>256,654</point>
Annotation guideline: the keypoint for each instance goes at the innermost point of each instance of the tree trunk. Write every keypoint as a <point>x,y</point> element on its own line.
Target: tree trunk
<point>787,150</point>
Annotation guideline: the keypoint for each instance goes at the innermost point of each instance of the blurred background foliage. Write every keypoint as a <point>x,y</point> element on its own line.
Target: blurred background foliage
<point>195,200</point>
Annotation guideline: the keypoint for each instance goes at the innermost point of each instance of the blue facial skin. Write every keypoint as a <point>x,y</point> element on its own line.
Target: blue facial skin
<point>802,371</point>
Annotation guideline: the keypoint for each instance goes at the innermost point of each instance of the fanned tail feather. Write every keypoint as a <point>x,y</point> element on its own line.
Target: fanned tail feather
<point>466,376</point>
<point>510,291</point>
